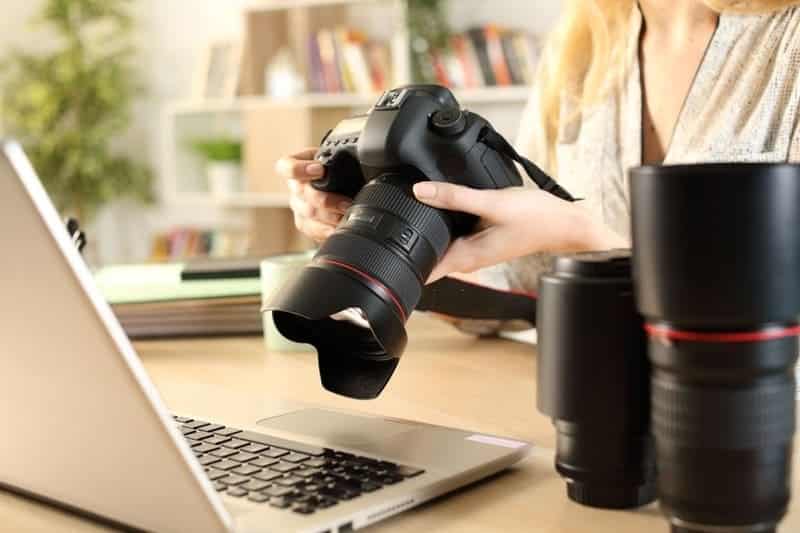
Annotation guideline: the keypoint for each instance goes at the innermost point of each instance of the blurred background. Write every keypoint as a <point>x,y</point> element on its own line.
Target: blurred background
<point>158,123</point>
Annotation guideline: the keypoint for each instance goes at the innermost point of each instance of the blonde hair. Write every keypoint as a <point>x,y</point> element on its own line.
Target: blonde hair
<point>585,56</point>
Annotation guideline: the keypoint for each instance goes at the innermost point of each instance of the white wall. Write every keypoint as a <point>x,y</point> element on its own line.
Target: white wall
<point>172,36</point>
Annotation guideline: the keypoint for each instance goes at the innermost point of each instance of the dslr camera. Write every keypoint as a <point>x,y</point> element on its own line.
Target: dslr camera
<point>353,301</point>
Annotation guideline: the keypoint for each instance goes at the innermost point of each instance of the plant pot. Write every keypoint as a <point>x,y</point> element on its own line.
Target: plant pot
<point>224,178</point>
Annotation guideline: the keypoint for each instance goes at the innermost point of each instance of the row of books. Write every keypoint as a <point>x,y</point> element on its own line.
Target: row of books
<point>487,56</point>
<point>186,243</point>
<point>344,60</point>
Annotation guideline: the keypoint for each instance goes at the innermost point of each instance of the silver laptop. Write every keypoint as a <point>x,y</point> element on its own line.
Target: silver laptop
<point>84,428</point>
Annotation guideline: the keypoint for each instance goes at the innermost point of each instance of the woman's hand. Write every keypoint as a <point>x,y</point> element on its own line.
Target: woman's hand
<point>515,222</point>
<point>316,214</point>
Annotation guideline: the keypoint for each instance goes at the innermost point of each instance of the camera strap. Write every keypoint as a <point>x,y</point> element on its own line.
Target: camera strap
<point>461,299</point>
<point>498,143</point>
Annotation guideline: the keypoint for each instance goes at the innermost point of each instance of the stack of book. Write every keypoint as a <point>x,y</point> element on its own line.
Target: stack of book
<point>345,61</point>
<point>488,56</point>
<point>151,301</point>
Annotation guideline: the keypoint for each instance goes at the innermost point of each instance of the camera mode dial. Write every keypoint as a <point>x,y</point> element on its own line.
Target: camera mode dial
<point>448,122</point>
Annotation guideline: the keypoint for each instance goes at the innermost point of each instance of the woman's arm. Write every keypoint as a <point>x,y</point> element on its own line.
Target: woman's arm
<point>517,222</point>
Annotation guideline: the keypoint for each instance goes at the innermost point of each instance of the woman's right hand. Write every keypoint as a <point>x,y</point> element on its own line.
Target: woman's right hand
<point>316,213</point>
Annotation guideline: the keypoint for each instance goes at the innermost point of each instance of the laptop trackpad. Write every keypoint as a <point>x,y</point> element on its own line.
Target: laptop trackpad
<point>331,428</point>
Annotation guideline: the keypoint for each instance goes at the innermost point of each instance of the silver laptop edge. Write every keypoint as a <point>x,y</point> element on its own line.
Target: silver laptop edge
<point>182,499</point>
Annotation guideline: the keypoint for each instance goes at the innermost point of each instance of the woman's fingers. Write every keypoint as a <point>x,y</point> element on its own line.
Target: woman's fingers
<point>326,201</point>
<point>484,204</point>
<point>300,166</point>
<point>315,229</point>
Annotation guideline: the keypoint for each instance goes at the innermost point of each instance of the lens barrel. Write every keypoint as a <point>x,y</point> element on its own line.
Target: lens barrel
<point>377,262</point>
<point>593,380</point>
<point>717,278</point>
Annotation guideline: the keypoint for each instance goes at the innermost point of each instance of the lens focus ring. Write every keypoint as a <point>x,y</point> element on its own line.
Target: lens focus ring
<point>429,221</point>
<point>377,262</point>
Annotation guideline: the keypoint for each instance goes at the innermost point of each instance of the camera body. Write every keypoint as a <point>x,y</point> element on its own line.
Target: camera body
<point>419,132</point>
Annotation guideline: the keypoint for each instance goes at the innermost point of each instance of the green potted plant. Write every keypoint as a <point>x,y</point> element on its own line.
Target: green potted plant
<point>223,158</point>
<point>70,106</point>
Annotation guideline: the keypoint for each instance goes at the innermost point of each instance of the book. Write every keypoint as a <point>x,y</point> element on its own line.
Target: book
<point>478,38</point>
<point>497,58</point>
<point>151,301</point>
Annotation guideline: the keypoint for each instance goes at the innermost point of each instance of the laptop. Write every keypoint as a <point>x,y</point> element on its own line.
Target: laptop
<point>85,429</point>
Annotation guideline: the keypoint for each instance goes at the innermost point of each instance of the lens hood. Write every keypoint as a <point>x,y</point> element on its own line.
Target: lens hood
<point>353,361</point>
<point>717,244</point>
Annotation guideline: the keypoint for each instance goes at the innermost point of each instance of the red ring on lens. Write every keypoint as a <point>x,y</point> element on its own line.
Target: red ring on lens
<point>371,280</point>
<point>668,333</point>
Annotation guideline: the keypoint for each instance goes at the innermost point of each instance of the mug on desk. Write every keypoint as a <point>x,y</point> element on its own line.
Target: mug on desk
<point>275,272</point>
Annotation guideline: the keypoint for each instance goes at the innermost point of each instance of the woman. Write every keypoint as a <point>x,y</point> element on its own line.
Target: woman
<point>622,83</point>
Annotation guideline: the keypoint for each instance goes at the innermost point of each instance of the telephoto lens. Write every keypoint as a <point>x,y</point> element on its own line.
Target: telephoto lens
<point>717,278</point>
<point>593,380</point>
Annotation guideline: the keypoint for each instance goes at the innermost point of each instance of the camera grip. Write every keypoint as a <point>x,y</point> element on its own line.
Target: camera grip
<point>342,176</point>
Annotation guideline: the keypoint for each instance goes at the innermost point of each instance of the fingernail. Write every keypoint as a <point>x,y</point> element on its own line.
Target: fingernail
<point>425,190</point>
<point>315,169</point>
<point>344,206</point>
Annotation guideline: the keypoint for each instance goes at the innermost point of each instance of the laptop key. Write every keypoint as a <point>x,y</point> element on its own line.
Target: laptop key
<point>181,419</point>
<point>233,479</point>
<point>280,502</point>
<point>281,443</point>
<point>243,457</point>
<point>296,458</point>
<point>254,448</point>
<point>200,435</point>
<point>236,444</point>
<point>284,467</point>
<point>228,432</point>
<point>214,474</point>
<point>267,475</point>
<point>274,453</point>
<point>246,470</point>
<point>220,487</point>
<point>290,481</point>
<point>369,486</point>
<point>226,465</point>
<point>217,439</point>
<point>212,427</point>
<point>195,424</point>
<point>186,430</point>
<point>306,472</point>
<point>255,486</point>
<point>315,463</point>
<point>236,492</point>
<point>277,491</point>
<point>207,460</point>
<point>303,509</point>
<point>204,448</point>
<point>263,462</point>
<point>257,497</point>
<point>224,452</point>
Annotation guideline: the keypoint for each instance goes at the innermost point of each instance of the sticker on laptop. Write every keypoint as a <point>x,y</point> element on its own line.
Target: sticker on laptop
<point>497,441</point>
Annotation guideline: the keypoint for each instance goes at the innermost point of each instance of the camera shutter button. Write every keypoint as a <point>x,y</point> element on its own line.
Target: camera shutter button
<point>448,122</point>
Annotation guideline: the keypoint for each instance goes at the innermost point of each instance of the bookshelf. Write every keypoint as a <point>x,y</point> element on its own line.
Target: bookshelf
<point>271,127</point>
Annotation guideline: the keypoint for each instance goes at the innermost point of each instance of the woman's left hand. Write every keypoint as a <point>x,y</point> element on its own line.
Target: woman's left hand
<point>515,222</point>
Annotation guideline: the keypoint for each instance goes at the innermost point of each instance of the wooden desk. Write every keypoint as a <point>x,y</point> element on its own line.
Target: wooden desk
<point>444,378</point>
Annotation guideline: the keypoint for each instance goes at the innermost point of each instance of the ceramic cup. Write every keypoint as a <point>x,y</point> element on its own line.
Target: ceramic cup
<point>275,272</point>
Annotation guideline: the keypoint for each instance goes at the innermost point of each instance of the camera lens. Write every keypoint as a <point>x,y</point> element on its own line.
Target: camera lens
<point>370,274</point>
<point>716,264</point>
<point>593,377</point>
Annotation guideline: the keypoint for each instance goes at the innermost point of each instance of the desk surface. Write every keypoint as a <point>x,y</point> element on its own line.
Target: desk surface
<point>444,378</point>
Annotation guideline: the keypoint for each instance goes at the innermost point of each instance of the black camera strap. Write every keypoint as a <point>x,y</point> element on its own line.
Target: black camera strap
<point>498,143</point>
<point>461,299</point>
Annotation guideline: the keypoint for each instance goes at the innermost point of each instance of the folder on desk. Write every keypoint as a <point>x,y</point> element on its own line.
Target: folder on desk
<point>151,301</point>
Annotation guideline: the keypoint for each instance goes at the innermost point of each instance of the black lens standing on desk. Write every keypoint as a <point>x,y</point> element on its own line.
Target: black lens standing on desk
<point>717,271</point>
<point>593,378</point>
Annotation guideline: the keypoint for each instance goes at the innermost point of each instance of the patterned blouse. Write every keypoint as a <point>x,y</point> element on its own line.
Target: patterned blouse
<point>742,106</point>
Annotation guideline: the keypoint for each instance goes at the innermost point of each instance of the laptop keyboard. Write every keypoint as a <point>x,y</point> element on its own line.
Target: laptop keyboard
<point>285,474</point>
